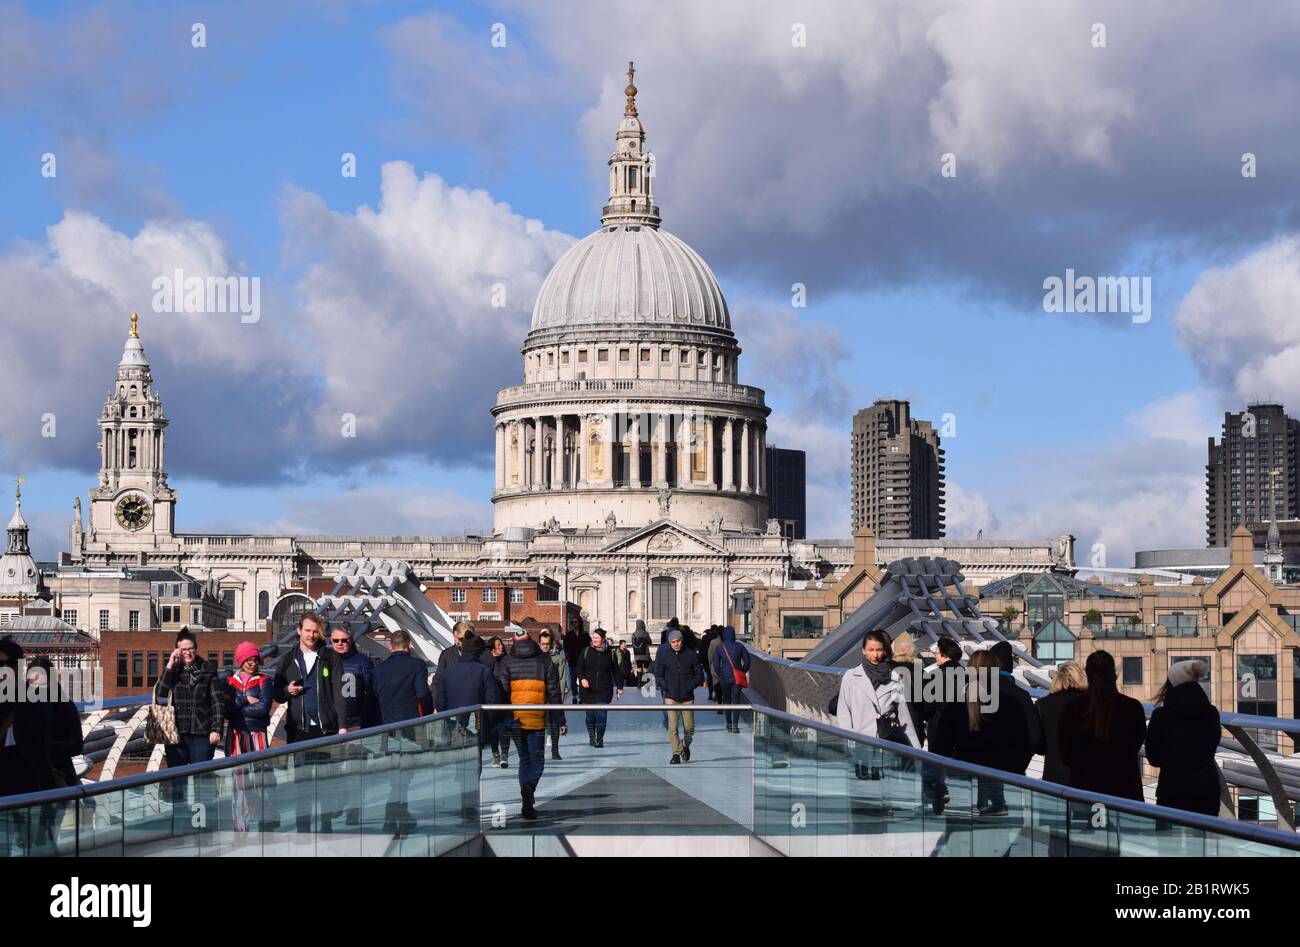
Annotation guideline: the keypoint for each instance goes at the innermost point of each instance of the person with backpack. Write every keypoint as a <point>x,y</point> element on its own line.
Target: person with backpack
<point>527,676</point>
<point>730,670</point>
<point>1102,733</point>
<point>598,682</point>
<point>1182,740</point>
<point>641,648</point>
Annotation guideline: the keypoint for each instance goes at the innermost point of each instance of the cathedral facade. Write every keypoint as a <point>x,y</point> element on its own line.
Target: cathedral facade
<point>629,462</point>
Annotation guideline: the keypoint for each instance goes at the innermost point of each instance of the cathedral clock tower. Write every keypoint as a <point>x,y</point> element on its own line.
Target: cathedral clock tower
<point>132,507</point>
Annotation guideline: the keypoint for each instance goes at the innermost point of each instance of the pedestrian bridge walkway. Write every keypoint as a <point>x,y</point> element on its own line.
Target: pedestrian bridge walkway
<point>783,785</point>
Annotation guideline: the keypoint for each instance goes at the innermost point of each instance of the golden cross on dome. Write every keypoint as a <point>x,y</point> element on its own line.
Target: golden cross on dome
<point>630,91</point>
<point>18,489</point>
<point>135,325</point>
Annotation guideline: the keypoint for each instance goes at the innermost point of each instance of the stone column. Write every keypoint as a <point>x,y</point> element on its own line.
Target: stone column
<point>521,454</point>
<point>582,449</point>
<point>539,461</point>
<point>728,466</point>
<point>659,451</point>
<point>684,453</point>
<point>500,456</point>
<point>708,452</point>
<point>557,462</point>
<point>760,471</point>
<point>744,456</point>
<point>607,447</point>
<point>634,460</point>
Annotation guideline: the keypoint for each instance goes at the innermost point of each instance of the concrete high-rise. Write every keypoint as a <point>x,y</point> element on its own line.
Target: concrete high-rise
<point>1250,476</point>
<point>897,473</point>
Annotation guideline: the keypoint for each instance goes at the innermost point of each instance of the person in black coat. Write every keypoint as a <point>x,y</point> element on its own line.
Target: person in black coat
<point>496,723</point>
<point>464,684</point>
<point>598,680</point>
<point>64,739</point>
<point>1101,734</point>
<point>453,654</point>
<point>24,734</point>
<point>402,692</point>
<point>971,732</point>
<point>940,689</point>
<point>1182,739</point>
<point>677,671</point>
<point>1068,684</point>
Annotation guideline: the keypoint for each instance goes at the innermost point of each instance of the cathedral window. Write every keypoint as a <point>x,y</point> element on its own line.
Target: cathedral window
<point>602,355</point>
<point>582,355</point>
<point>666,355</point>
<point>645,355</point>
<point>564,357</point>
<point>686,357</point>
<point>624,355</point>
<point>663,597</point>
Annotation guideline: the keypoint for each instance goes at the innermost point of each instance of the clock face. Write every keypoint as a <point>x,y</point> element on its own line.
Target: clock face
<point>133,512</point>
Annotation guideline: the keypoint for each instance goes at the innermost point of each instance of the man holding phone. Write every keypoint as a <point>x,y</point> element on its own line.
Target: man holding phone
<point>310,680</point>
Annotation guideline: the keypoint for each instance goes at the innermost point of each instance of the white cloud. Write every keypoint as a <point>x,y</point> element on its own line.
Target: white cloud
<point>967,513</point>
<point>68,303</point>
<point>1239,324</point>
<point>398,300</point>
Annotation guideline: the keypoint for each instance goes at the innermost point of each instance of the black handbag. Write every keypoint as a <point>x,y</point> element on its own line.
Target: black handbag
<point>889,727</point>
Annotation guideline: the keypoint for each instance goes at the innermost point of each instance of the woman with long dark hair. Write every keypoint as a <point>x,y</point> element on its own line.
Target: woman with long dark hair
<point>499,722</point>
<point>1100,734</point>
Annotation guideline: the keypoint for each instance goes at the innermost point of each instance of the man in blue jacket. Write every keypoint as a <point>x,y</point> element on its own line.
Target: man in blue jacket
<point>402,689</point>
<point>677,671</point>
<point>729,657</point>
<point>464,684</point>
<point>402,682</point>
<point>358,680</point>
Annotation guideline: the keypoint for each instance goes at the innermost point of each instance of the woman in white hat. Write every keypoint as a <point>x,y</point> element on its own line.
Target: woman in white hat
<point>1182,739</point>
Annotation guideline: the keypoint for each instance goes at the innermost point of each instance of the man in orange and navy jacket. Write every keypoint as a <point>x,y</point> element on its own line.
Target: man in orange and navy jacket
<point>527,676</point>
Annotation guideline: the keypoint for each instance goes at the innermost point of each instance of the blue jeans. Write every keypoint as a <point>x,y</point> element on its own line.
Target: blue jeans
<point>596,720</point>
<point>193,748</point>
<point>731,694</point>
<point>531,745</point>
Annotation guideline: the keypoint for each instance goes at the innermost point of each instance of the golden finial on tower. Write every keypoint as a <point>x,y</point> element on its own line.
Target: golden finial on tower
<point>18,490</point>
<point>135,325</point>
<point>630,91</point>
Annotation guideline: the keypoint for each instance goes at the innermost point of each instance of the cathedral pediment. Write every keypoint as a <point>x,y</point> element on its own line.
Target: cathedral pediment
<point>666,538</point>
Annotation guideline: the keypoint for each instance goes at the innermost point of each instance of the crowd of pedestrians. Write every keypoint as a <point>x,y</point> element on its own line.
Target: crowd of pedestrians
<point>1089,734</point>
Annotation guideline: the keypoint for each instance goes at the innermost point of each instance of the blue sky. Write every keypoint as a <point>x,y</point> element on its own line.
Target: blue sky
<point>781,164</point>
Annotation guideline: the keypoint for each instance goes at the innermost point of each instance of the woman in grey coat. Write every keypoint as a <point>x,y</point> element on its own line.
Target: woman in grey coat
<point>873,702</point>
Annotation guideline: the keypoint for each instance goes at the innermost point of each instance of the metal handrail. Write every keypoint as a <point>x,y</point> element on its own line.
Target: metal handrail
<point>1194,820</point>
